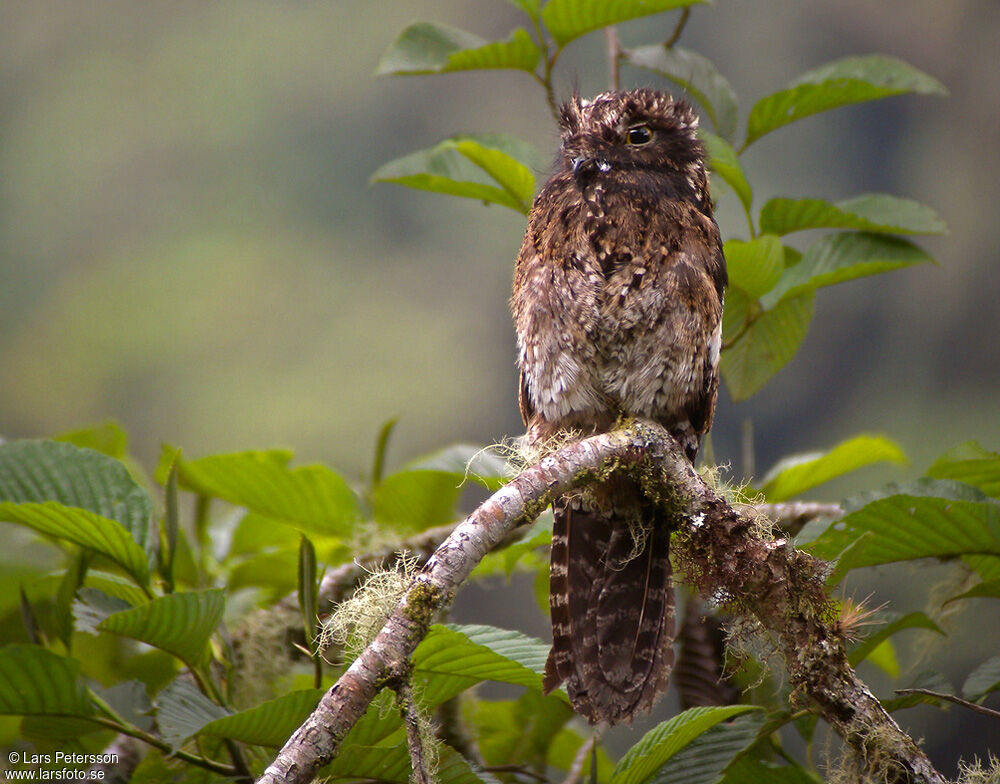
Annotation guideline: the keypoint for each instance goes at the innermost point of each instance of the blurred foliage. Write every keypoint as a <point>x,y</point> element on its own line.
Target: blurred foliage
<point>185,242</point>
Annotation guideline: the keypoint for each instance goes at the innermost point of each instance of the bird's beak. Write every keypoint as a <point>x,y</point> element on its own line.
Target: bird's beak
<point>586,167</point>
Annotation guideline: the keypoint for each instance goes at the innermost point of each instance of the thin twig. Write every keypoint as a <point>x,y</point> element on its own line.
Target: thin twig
<point>614,57</point>
<point>781,588</point>
<point>414,738</point>
<point>676,34</point>
<point>575,772</point>
<point>994,714</point>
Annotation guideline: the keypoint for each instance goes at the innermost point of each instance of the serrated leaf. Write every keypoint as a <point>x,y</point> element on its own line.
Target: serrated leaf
<point>413,501</point>
<point>766,346</point>
<point>182,710</point>
<point>268,724</point>
<point>847,81</point>
<point>82,527</point>
<point>837,258</point>
<point>703,759</point>
<point>180,623</point>
<point>489,167</point>
<point>794,475</point>
<point>983,680</point>
<point>662,742</point>
<point>569,19</point>
<point>45,471</point>
<point>722,160</point>
<point>34,681</point>
<point>428,47</point>
<point>452,658</point>
<point>698,76</point>
<point>971,464</point>
<point>311,498</point>
<point>913,620</point>
<point>874,212</point>
<point>906,527</point>
<point>754,266</point>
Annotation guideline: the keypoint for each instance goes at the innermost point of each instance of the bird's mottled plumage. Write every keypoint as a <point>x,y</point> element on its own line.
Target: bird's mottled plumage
<point>618,309</point>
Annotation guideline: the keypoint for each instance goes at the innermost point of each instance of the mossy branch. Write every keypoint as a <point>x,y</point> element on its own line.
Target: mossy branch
<point>723,553</point>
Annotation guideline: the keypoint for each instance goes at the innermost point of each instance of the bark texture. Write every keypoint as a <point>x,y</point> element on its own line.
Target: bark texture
<point>722,553</point>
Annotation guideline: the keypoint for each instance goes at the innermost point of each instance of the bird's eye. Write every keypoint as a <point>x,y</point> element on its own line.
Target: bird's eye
<point>640,134</point>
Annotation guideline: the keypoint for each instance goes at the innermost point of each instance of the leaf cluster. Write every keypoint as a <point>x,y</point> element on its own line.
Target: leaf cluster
<point>161,581</point>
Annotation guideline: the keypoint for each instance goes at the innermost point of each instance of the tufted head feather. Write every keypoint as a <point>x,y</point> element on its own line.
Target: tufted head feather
<point>599,130</point>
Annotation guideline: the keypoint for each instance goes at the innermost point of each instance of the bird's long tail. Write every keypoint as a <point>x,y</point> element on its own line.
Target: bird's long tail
<point>611,602</point>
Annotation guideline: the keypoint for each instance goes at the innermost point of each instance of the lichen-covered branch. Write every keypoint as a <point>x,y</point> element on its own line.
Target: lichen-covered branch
<point>722,553</point>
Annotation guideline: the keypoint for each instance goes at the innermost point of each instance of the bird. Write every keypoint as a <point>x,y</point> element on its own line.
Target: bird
<point>617,306</point>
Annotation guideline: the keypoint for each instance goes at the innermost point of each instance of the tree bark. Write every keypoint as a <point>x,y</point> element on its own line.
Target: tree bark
<point>721,552</point>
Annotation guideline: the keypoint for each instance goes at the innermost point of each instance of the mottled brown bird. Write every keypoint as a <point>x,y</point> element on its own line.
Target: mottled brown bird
<point>618,309</point>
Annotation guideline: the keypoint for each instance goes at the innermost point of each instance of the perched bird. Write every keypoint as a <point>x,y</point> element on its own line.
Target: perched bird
<point>617,305</point>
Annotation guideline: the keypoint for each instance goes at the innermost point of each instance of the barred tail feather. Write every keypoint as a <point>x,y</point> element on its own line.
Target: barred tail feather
<point>612,607</point>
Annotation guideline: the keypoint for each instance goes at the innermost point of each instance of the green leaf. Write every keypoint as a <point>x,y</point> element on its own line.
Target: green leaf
<point>130,701</point>
<point>494,168</point>
<point>37,682</point>
<point>767,346</point>
<point>906,527</point>
<point>93,605</point>
<point>794,475</point>
<point>412,501</point>
<point>703,759</point>
<point>565,747</point>
<point>755,266</point>
<point>987,589</point>
<point>641,762</point>
<point>913,620</point>
<point>452,658</point>
<point>971,464</point>
<point>836,258</point>
<point>747,770</point>
<point>531,7</point>
<point>84,528</point>
<point>180,623</point>
<point>308,589</point>
<point>983,680</point>
<point>698,77</point>
<point>569,19</point>
<point>722,160</point>
<point>427,48</point>
<point>312,498</point>
<point>391,764</point>
<point>930,680</point>
<point>108,438</point>
<point>986,566</point>
<point>847,81</point>
<point>268,724</point>
<point>464,461</point>
<point>41,471</point>
<point>517,732</point>
<point>875,212</point>
<point>182,710</point>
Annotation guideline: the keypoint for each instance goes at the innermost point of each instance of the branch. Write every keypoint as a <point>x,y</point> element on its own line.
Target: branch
<point>720,553</point>
<point>957,700</point>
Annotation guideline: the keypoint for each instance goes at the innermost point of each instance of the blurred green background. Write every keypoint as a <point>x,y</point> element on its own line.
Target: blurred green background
<point>188,243</point>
